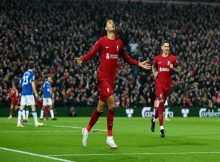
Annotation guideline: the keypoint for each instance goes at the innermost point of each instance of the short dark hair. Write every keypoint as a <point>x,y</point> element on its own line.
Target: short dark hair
<point>31,65</point>
<point>103,32</point>
<point>164,41</point>
<point>49,75</point>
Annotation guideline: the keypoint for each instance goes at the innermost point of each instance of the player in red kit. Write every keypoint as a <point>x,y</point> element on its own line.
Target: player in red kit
<point>14,100</point>
<point>163,65</point>
<point>110,47</point>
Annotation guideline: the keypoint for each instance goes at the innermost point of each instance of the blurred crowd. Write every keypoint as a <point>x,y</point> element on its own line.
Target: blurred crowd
<point>53,33</point>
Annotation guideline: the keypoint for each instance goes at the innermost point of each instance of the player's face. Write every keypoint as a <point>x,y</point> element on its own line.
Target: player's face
<point>166,48</point>
<point>110,25</point>
<point>50,79</point>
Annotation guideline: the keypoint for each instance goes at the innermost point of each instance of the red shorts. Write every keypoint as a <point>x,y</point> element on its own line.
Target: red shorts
<point>162,92</point>
<point>15,102</point>
<point>106,89</point>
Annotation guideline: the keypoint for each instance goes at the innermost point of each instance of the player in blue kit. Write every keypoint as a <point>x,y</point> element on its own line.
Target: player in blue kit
<point>47,99</point>
<point>27,83</point>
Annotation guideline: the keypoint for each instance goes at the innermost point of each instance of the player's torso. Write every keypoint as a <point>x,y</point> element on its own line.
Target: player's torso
<point>47,90</point>
<point>26,83</point>
<point>164,70</point>
<point>109,57</point>
<point>15,94</point>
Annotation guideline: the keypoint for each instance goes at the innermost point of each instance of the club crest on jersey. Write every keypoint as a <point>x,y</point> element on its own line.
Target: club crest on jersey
<point>107,56</point>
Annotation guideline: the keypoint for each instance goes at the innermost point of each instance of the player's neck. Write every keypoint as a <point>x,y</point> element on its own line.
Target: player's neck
<point>165,54</point>
<point>111,35</point>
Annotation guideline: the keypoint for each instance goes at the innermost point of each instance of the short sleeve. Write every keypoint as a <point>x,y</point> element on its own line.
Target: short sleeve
<point>155,61</point>
<point>32,78</point>
<point>175,61</point>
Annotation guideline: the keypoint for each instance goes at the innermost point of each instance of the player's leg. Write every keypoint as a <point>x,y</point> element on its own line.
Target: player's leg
<point>110,119</point>
<point>94,117</point>
<point>27,111</point>
<point>11,111</point>
<point>162,98</point>
<point>160,113</point>
<point>110,114</point>
<point>24,115</point>
<point>153,120</point>
<point>42,113</point>
<point>51,109</point>
<point>101,105</point>
<point>51,112</point>
<point>31,103</point>
<point>34,114</point>
<point>21,109</point>
<point>159,105</point>
<point>46,107</point>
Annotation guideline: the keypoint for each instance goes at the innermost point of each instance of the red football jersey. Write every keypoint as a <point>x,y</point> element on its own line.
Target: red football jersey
<point>109,51</point>
<point>164,70</point>
<point>15,95</point>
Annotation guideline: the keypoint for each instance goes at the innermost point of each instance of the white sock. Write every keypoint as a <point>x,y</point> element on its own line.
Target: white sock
<point>27,114</point>
<point>52,114</point>
<point>110,137</point>
<point>23,115</point>
<point>154,119</point>
<point>161,127</point>
<point>19,116</point>
<point>34,113</point>
<point>41,113</point>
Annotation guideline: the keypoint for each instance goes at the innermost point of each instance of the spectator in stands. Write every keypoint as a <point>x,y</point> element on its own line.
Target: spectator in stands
<point>53,34</point>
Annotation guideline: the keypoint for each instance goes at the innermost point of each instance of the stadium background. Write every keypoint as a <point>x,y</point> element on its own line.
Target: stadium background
<point>53,33</point>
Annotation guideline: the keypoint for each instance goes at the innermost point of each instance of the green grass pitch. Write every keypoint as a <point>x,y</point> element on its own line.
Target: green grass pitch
<point>190,139</point>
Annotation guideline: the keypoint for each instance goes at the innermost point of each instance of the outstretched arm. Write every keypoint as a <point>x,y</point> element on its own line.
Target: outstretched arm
<point>126,58</point>
<point>145,64</point>
<point>89,54</point>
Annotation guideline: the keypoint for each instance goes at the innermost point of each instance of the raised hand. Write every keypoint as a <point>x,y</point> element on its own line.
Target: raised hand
<point>145,64</point>
<point>79,60</point>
